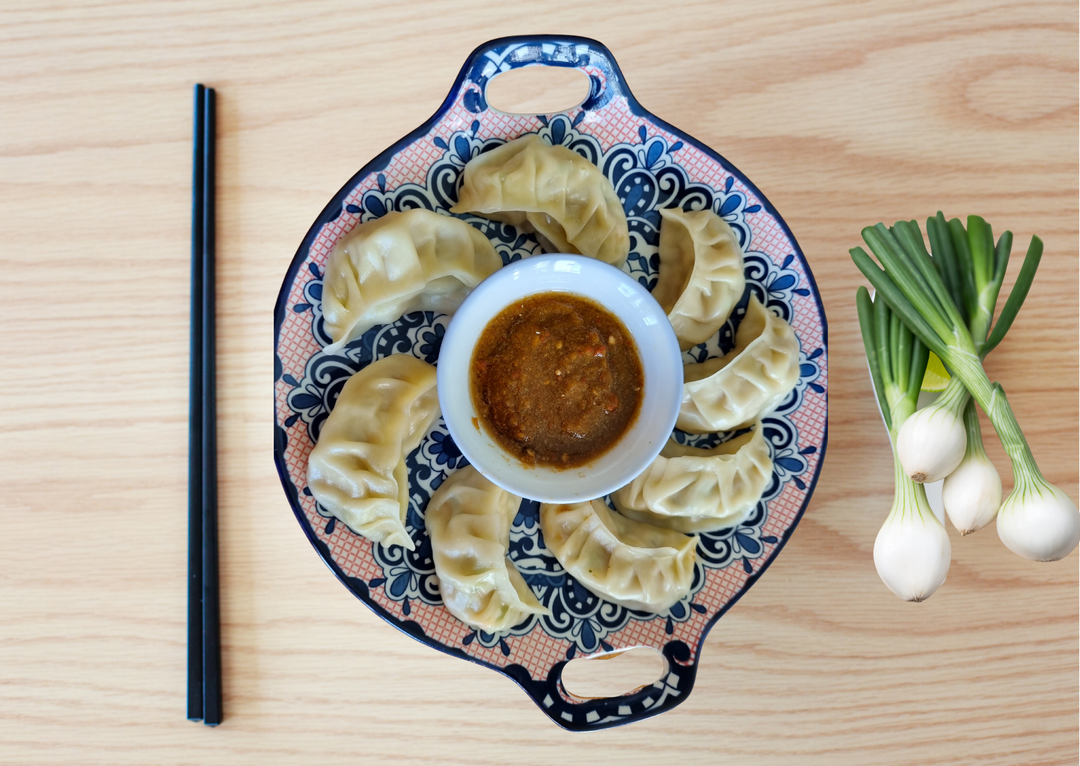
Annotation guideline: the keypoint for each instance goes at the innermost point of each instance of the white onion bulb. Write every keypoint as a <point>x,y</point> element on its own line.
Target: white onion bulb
<point>972,493</point>
<point>1038,521</point>
<point>932,442</point>
<point>912,552</point>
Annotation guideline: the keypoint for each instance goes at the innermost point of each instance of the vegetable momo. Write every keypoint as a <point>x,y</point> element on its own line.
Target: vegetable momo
<point>468,520</point>
<point>412,261</point>
<point>551,190</point>
<point>357,470</point>
<point>700,490</point>
<point>750,381</point>
<point>637,565</point>
<point>701,273</point>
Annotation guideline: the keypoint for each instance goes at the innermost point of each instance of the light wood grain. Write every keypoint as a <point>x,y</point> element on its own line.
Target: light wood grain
<point>843,113</point>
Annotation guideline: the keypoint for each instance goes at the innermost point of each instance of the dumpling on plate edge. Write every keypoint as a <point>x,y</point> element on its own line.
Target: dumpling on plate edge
<point>639,566</point>
<point>357,469</point>
<point>701,273</point>
<point>700,490</point>
<point>751,380</point>
<point>468,520</point>
<point>551,190</point>
<point>411,261</point>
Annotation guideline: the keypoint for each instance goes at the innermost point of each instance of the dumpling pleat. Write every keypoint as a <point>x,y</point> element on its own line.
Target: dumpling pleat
<point>551,190</point>
<point>637,565</point>
<point>697,490</point>
<point>750,381</point>
<point>468,520</point>
<point>357,469</point>
<point>402,262</point>
<point>701,273</point>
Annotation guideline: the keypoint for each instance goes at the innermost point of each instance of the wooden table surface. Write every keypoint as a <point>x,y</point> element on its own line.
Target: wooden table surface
<point>843,113</point>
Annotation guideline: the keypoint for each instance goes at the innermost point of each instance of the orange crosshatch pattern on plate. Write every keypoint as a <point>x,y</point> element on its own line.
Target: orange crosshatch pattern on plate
<point>539,651</point>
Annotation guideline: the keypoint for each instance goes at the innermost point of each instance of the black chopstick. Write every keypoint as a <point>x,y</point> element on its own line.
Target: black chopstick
<point>211,614</point>
<point>204,634</point>
<point>195,434</point>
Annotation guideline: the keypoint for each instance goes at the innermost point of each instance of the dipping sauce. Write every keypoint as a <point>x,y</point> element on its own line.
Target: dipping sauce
<point>556,380</point>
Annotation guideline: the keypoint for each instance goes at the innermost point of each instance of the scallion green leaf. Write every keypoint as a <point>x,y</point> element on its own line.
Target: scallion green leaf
<point>1001,257</point>
<point>912,242</point>
<point>941,244</point>
<point>1017,296</point>
<point>898,302</point>
<point>958,237</point>
<point>865,308</point>
<point>920,355</point>
<point>881,329</point>
<point>981,246</point>
<point>908,282</point>
<point>902,359</point>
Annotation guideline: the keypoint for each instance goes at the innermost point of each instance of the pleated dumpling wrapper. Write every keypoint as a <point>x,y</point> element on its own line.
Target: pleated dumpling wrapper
<point>357,470</point>
<point>551,190</point>
<point>639,566</point>
<point>751,380</point>
<point>468,520</point>
<point>700,490</point>
<point>701,273</point>
<point>412,261</point>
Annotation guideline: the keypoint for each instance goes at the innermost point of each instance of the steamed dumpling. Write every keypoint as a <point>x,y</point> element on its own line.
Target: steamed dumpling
<point>700,490</point>
<point>701,273</point>
<point>357,470</point>
<point>412,261</point>
<point>551,190</point>
<point>627,562</point>
<point>750,381</point>
<point>468,520</point>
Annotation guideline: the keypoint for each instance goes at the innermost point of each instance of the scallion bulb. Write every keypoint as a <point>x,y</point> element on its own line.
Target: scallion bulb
<point>932,442</point>
<point>912,550</point>
<point>1038,521</point>
<point>972,493</point>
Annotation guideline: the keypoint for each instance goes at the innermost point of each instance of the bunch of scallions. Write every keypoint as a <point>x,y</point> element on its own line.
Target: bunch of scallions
<point>947,302</point>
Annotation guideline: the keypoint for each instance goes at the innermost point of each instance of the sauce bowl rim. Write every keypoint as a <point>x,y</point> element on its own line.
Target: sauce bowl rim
<point>658,349</point>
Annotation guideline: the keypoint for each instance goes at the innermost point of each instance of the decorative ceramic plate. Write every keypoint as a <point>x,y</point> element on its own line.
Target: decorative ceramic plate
<point>652,166</point>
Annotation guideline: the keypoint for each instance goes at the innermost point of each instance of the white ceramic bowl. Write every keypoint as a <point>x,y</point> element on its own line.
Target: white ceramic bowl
<point>661,361</point>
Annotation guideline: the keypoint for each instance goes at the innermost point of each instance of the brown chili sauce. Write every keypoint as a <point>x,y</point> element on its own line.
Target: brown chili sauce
<point>556,380</point>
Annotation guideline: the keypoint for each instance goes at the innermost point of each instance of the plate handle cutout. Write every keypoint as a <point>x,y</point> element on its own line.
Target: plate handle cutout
<point>613,675</point>
<point>538,90</point>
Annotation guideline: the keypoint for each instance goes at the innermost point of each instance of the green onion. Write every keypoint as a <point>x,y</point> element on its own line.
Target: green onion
<point>912,550</point>
<point>915,290</point>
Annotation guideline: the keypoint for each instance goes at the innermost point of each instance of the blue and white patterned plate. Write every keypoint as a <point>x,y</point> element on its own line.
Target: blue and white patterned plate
<point>651,165</point>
